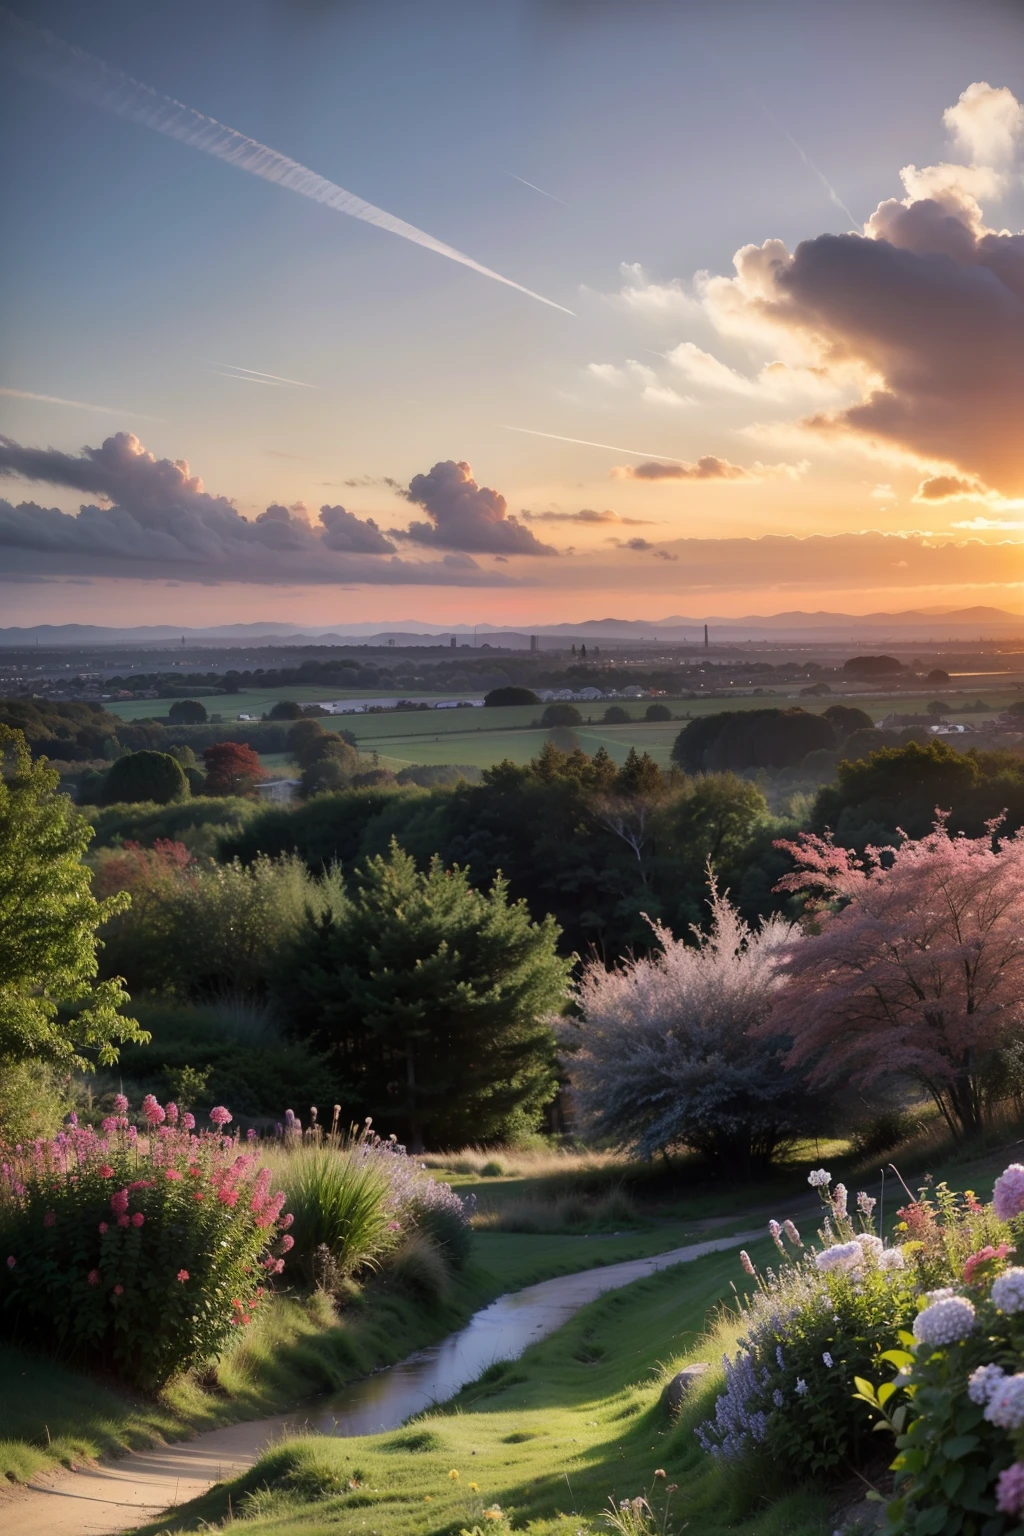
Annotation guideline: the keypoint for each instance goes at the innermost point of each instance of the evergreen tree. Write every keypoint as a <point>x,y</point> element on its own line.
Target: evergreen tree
<point>144,776</point>
<point>434,998</point>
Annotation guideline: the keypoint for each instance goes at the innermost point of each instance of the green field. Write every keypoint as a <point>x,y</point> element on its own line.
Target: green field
<point>482,737</point>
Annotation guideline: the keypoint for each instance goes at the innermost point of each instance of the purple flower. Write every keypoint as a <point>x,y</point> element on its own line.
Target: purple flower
<point>1010,1490</point>
<point>1008,1194</point>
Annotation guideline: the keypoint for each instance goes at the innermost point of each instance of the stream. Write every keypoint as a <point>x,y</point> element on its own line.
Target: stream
<point>119,1494</point>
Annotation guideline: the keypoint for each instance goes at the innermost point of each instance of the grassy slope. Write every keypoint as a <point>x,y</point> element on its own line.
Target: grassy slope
<point>297,1349</point>
<point>548,1438</point>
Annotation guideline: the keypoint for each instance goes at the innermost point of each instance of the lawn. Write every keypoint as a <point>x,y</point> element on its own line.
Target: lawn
<point>547,1440</point>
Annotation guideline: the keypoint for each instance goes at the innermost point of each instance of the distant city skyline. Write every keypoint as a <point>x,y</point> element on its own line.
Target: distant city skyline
<point>789,246</point>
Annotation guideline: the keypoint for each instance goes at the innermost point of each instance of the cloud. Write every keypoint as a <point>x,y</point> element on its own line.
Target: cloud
<point>663,554</point>
<point>652,300</point>
<point>78,405</point>
<point>707,468</point>
<point>950,488</point>
<point>158,521</point>
<point>987,123</point>
<point>465,516</point>
<point>585,515</point>
<point>638,375</point>
<point>883,493</point>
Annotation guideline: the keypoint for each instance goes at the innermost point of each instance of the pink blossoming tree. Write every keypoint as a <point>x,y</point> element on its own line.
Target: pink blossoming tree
<point>917,966</point>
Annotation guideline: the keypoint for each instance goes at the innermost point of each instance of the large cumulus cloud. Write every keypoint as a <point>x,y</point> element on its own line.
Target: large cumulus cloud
<point>153,518</point>
<point>466,516</point>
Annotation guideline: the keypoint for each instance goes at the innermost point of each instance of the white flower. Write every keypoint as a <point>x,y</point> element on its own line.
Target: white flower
<point>871,1246</point>
<point>839,1202</point>
<point>891,1258</point>
<point>944,1322</point>
<point>827,1358</point>
<point>840,1256</point>
<point>801,1386</point>
<point>943,1294</point>
<point>792,1233</point>
<point>866,1204</point>
<point>1006,1403</point>
<point>819,1179</point>
<point>983,1382</point>
<point>1008,1291</point>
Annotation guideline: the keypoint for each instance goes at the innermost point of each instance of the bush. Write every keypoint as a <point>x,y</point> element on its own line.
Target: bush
<point>187,712</point>
<point>561,714</point>
<point>657,712</point>
<point>285,709</point>
<point>616,715</point>
<point>142,776</point>
<point>439,1212</point>
<point>137,1253</point>
<point>33,1101</point>
<point>232,768</point>
<point>502,697</point>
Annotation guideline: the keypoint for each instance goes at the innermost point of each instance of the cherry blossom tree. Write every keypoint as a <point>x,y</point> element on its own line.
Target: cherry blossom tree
<point>916,967</point>
<point>661,1054</point>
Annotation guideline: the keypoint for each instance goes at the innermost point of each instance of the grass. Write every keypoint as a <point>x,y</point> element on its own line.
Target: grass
<point>548,1439</point>
<point>298,1347</point>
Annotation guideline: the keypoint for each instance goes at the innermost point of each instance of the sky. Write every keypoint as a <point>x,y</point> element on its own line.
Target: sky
<point>318,311</point>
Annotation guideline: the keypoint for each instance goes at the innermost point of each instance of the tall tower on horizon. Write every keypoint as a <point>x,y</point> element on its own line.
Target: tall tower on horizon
<point>707,645</point>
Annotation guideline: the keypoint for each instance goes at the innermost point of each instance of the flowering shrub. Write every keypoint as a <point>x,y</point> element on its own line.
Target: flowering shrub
<point>138,1249</point>
<point>957,1403</point>
<point>811,1327</point>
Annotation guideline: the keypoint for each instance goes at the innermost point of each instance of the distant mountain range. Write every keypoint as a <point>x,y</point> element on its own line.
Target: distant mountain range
<point>912,624</point>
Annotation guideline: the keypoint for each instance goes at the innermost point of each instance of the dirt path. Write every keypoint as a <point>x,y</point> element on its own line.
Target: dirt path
<point>118,1495</point>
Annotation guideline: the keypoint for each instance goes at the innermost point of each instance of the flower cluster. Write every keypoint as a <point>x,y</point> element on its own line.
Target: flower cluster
<point>1007,1291</point>
<point>1008,1194</point>
<point>946,1320</point>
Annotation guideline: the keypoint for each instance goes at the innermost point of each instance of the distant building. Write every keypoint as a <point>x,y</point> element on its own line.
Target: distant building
<point>278,790</point>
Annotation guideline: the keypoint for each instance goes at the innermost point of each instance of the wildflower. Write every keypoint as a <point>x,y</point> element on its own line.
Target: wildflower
<point>983,1382</point>
<point>119,1202</point>
<point>777,1398</point>
<point>1006,1403</point>
<point>138,1219</point>
<point>182,1276</point>
<point>221,1116</point>
<point>197,1194</point>
<point>120,1103</point>
<point>990,1255</point>
<point>746,1263</point>
<point>394,1226</point>
<point>827,1358</point>
<point>891,1258</point>
<point>453,1476</point>
<point>122,1221</point>
<point>118,1290</point>
<point>494,1513</point>
<point>659,1471</point>
<point>1008,1194</point>
<point>153,1111</point>
<point>171,1113</point>
<point>286,1222</point>
<point>871,1246</point>
<point>839,1198</point>
<point>1008,1291</point>
<point>819,1179</point>
<point>1010,1490</point>
<point>866,1204</point>
<point>473,1487</point>
<point>840,1256</point>
<point>801,1386</point>
<point>775,1232</point>
<point>287,1243</point>
<point>103,1228</point>
<point>172,1175</point>
<point>49,1219</point>
<point>188,1121</point>
<point>945,1322</point>
<point>792,1233</point>
<point>779,1358</point>
<point>106,1172</point>
<point>11,1261</point>
<point>93,1277</point>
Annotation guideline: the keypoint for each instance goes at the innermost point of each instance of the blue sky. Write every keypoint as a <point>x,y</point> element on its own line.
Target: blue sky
<point>138,267</point>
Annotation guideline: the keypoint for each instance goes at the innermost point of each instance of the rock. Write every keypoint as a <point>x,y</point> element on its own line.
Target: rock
<point>681,1384</point>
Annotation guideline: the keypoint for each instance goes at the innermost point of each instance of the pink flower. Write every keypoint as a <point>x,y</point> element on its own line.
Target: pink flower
<point>287,1243</point>
<point>182,1275</point>
<point>120,1103</point>
<point>104,1227</point>
<point>286,1222</point>
<point>228,1197</point>
<point>153,1111</point>
<point>1010,1490</point>
<point>188,1121</point>
<point>985,1255</point>
<point>106,1172</point>
<point>93,1277</point>
<point>49,1219</point>
<point>118,1290</point>
<point>11,1261</point>
<point>122,1221</point>
<point>119,1202</point>
<point>1008,1195</point>
<point>173,1175</point>
<point>138,1219</point>
<point>197,1194</point>
<point>746,1263</point>
<point>171,1111</point>
<point>221,1116</point>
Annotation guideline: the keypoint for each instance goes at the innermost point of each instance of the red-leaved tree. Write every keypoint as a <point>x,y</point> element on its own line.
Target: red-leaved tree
<point>917,966</point>
<point>231,768</point>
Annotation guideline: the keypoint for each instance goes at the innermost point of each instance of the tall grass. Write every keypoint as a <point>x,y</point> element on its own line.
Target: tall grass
<point>342,1201</point>
<point>561,1213</point>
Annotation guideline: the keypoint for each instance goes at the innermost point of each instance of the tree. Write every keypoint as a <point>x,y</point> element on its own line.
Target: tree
<point>662,1056</point>
<point>873,666</point>
<point>657,712</point>
<point>499,698</point>
<point>49,918</point>
<point>561,714</point>
<point>144,776</point>
<point>302,734</point>
<point>231,768</point>
<point>751,738</point>
<point>918,967</point>
<point>318,749</point>
<point>285,709</point>
<point>616,715</point>
<point>434,998</point>
<point>712,822</point>
<point>846,718</point>
<point>187,712</point>
<point>324,776</point>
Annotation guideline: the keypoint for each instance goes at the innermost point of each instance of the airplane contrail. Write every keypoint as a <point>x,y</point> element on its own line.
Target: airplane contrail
<point>533,184</point>
<point>79,405</point>
<point>49,59</point>
<point>584,442</point>
<point>257,373</point>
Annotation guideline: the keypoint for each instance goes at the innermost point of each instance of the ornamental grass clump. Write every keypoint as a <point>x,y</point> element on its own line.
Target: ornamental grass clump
<point>814,1323</point>
<point>137,1249</point>
<point>956,1404</point>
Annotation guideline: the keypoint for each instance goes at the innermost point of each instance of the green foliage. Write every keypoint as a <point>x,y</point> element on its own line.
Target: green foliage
<point>145,776</point>
<point>341,1198</point>
<point>561,714</point>
<point>199,824</point>
<point>187,712</point>
<point>139,1255</point>
<point>326,775</point>
<point>49,919</point>
<point>500,698</point>
<point>657,712</point>
<point>433,997</point>
<point>33,1100</point>
<point>616,715</point>
<point>750,738</point>
<point>285,709</point>
<point>846,718</point>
